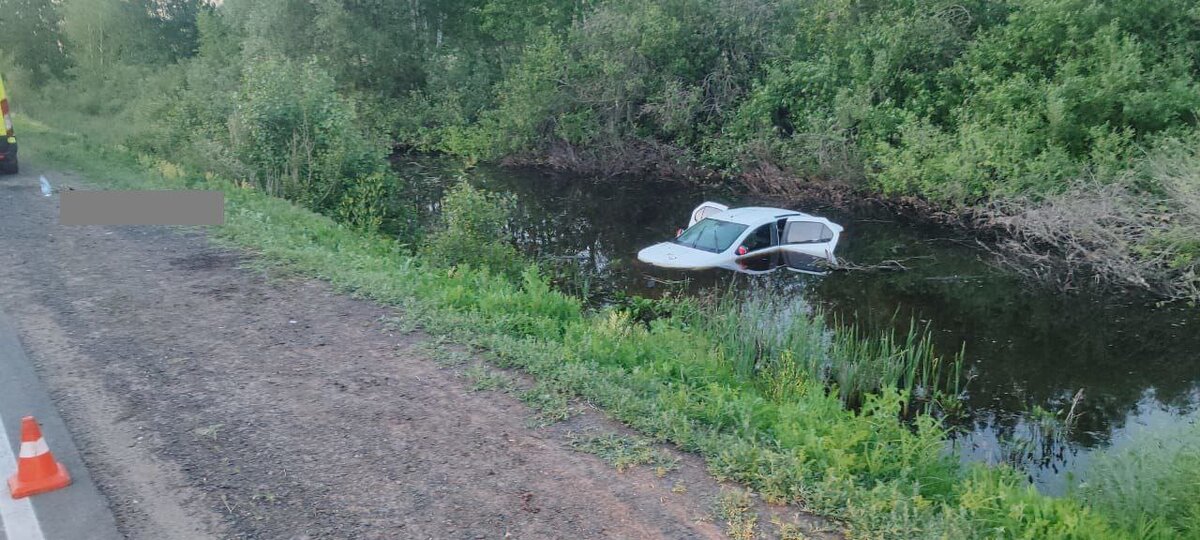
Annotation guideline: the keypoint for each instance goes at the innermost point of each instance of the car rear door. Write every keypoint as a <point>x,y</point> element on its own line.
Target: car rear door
<point>813,237</point>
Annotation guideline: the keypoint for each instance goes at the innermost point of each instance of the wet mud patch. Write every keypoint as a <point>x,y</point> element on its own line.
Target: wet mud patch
<point>207,261</point>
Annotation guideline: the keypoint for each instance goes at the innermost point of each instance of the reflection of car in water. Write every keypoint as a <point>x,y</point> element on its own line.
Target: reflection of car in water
<point>782,259</point>
<point>747,239</point>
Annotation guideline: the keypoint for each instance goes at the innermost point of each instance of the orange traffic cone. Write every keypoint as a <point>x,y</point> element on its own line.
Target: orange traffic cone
<point>37,472</point>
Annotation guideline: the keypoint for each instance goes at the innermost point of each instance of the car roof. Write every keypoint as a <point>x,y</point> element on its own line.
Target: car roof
<point>755,215</point>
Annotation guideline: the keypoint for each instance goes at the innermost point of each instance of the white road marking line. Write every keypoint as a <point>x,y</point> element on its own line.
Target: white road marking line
<point>17,516</point>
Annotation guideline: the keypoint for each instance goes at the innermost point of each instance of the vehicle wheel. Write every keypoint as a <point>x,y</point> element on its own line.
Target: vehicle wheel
<point>10,166</point>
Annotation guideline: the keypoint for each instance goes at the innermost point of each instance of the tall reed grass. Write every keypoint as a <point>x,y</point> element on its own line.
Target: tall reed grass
<point>1151,488</point>
<point>777,341</point>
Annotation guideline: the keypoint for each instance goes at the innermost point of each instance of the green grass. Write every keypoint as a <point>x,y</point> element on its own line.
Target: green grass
<point>483,379</point>
<point>1152,487</point>
<point>551,401</point>
<point>625,453</point>
<point>670,379</point>
<point>735,508</point>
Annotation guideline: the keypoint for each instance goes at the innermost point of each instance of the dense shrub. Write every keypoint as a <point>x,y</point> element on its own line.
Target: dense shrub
<point>1062,89</point>
<point>302,141</point>
<point>474,231</point>
<point>628,80</point>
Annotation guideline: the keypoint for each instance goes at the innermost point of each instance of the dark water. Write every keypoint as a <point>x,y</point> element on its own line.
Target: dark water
<point>1028,350</point>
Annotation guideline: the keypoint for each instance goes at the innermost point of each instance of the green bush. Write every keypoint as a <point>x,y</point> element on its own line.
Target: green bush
<point>474,232</point>
<point>364,205</point>
<point>631,74</point>
<point>302,141</point>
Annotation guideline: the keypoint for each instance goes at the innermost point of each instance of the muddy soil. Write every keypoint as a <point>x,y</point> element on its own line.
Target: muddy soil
<point>210,400</point>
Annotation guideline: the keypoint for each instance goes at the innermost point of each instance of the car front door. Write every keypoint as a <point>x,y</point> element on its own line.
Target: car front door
<point>705,210</point>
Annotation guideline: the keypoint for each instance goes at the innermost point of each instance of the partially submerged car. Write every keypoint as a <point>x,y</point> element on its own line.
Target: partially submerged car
<point>720,237</point>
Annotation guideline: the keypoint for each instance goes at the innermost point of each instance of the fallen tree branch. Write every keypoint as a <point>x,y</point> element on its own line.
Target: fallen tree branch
<point>888,265</point>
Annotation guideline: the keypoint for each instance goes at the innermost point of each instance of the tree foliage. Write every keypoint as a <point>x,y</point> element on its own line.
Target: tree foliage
<point>956,101</point>
<point>966,103</point>
<point>29,30</point>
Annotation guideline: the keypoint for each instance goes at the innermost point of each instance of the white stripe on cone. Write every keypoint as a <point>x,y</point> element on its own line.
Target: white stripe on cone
<point>34,449</point>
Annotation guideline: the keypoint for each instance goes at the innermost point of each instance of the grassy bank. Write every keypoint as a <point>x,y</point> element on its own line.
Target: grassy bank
<point>760,415</point>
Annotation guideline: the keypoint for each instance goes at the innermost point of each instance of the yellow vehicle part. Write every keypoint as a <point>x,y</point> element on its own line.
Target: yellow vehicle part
<point>8,125</point>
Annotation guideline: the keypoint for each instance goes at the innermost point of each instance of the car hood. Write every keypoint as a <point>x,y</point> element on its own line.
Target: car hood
<point>672,255</point>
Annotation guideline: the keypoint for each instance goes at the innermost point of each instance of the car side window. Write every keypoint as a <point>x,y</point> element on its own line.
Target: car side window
<point>759,239</point>
<point>807,232</point>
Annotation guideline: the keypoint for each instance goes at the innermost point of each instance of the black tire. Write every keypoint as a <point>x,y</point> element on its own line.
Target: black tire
<point>10,166</point>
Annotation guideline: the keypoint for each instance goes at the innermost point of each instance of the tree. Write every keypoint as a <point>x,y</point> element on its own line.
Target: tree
<point>31,38</point>
<point>102,33</point>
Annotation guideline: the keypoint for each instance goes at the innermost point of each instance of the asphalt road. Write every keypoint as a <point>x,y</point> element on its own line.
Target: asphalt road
<point>75,512</point>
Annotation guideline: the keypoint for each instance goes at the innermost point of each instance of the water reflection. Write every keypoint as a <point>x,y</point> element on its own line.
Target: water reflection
<point>782,260</point>
<point>1027,348</point>
<point>1051,460</point>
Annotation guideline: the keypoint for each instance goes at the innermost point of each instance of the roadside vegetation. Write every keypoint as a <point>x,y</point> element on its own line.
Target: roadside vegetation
<point>292,107</point>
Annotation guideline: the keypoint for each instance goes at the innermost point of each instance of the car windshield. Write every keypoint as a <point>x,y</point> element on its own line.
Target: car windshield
<point>711,235</point>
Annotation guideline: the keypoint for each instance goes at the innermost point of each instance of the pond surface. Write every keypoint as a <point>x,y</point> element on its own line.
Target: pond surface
<point>1029,350</point>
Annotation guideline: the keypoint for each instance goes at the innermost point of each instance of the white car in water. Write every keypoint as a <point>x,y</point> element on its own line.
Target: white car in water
<point>720,237</point>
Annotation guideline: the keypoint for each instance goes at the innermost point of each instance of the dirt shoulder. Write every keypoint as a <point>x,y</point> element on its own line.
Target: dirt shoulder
<point>210,400</point>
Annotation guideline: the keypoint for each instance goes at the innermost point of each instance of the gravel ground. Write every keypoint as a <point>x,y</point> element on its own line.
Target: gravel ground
<point>210,400</point>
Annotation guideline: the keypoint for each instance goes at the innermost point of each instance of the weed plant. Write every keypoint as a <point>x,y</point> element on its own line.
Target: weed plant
<point>625,453</point>
<point>736,509</point>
